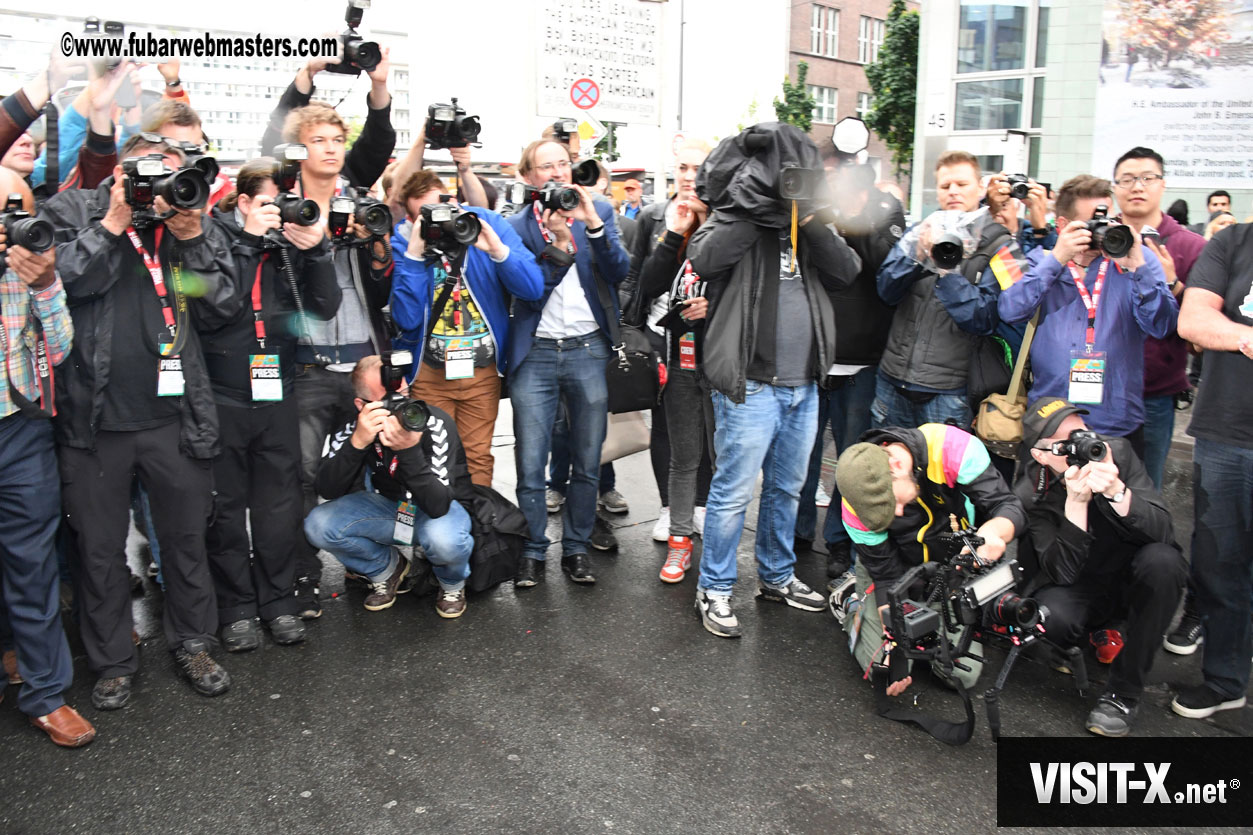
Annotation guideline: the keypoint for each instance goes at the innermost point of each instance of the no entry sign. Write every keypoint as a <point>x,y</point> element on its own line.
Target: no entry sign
<point>584,94</point>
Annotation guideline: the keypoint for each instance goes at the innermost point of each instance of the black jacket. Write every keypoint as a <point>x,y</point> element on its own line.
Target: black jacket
<point>650,229</point>
<point>434,471</point>
<point>862,318</point>
<point>90,260</point>
<point>658,278</point>
<point>228,348</point>
<point>1055,551</point>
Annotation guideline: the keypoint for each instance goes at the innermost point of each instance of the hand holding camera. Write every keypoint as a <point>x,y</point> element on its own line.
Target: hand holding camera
<point>35,266</point>
<point>488,241</point>
<point>370,422</point>
<point>1000,189</point>
<point>1072,241</point>
<point>556,223</point>
<point>118,217</point>
<point>183,224</point>
<point>263,218</point>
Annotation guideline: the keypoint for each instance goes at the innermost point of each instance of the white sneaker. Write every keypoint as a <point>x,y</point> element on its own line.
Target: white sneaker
<point>716,615</point>
<point>698,521</point>
<point>821,497</point>
<point>661,530</point>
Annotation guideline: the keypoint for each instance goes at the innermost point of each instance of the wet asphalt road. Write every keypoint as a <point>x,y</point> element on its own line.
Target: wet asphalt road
<point>556,709</point>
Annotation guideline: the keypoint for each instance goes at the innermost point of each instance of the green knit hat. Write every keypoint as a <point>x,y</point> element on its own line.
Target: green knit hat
<point>865,482</point>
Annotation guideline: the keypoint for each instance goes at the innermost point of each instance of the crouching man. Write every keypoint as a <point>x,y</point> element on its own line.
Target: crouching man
<point>395,478</point>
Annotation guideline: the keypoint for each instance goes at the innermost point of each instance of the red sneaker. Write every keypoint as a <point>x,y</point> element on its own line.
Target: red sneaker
<point>1108,643</point>
<point>678,559</point>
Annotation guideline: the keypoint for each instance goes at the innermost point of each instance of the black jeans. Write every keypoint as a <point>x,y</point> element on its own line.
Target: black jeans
<point>1147,588</point>
<point>96,489</point>
<point>257,478</point>
<point>690,413</point>
<point>324,399</point>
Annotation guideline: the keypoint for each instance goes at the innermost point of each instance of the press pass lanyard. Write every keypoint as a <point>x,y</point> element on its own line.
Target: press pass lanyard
<point>1092,302</point>
<point>153,263</point>
<point>258,319</point>
<point>548,236</point>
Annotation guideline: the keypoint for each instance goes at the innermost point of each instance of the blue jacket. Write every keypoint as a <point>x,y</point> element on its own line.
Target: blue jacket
<point>611,258</point>
<point>1133,306</point>
<point>490,284</point>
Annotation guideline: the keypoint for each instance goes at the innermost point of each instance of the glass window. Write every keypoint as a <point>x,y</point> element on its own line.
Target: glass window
<point>1037,102</point>
<point>991,36</point>
<point>824,30</point>
<point>869,39</point>
<point>989,105</point>
<point>864,100</point>
<point>824,103</point>
<point>1042,34</point>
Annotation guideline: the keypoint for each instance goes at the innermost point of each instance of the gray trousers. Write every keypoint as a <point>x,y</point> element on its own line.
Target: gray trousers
<point>690,418</point>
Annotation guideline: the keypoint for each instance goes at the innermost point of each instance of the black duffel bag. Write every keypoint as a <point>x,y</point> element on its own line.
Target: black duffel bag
<point>499,530</point>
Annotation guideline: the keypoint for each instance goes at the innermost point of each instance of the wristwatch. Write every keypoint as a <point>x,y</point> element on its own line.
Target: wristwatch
<point>178,82</point>
<point>1119,496</point>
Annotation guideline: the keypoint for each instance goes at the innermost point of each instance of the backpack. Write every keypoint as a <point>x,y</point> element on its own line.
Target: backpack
<point>499,530</point>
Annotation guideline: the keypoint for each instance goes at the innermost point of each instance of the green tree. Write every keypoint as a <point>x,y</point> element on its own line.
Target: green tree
<point>355,124</point>
<point>797,107</point>
<point>894,80</point>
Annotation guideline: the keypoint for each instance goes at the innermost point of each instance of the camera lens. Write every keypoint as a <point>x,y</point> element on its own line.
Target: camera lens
<point>376,218</point>
<point>1019,190</point>
<point>412,415</point>
<point>465,228</point>
<point>568,199</point>
<point>1094,451</point>
<point>30,233</point>
<point>365,54</point>
<point>947,251</point>
<point>208,168</point>
<point>792,184</point>
<point>1116,241</point>
<point>470,128</point>
<point>586,173</point>
<point>183,189</point>
<point>1012,610</point>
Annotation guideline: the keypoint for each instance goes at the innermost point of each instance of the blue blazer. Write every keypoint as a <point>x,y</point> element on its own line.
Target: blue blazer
<point>610,256</point>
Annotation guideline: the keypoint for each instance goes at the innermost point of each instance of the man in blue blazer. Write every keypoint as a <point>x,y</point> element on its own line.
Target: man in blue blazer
<point>557,349</point>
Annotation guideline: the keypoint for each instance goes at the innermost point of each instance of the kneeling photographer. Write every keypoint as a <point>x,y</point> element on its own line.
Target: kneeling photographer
<point>1099,543</point>
<point>285,274</point>
<point>396,475</point>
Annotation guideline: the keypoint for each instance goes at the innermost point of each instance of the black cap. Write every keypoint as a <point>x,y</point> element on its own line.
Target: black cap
<point>1044,416</point>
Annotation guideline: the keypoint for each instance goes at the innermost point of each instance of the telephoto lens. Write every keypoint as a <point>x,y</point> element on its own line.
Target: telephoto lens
<point>947,251</point>
<point>182,189</point>
<point>586,173</point>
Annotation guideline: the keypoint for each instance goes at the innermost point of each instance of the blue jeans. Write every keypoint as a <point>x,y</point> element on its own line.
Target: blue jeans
<point>771,432</point>
<point>1222,561</point>
<point>556,370</point>
<point>1159,428</point>
<point>357,529</point>
<point>559,464</point>
<point>848,410</point>
<point>892,408</point>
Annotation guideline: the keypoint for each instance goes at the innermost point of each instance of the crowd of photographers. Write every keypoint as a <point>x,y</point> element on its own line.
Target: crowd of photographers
<point>268,367</point>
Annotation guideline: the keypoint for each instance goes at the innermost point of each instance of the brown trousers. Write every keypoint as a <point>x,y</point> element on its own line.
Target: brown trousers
<point>473,404</point>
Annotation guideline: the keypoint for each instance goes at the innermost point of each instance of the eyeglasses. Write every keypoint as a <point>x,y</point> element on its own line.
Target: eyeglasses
<point>548,167</point>
<point>1129,181</point>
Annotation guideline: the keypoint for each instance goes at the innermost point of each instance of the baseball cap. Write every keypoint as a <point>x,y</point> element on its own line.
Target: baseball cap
<point>1044,416</point>
<point>631,183</point>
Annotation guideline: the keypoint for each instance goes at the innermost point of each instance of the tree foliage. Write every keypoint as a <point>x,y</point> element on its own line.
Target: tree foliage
<point>894,80</point>
<point>1166,29</point>
<point>797,106</point>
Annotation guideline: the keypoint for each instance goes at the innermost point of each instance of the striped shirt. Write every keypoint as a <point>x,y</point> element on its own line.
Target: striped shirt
<point>19,307</point>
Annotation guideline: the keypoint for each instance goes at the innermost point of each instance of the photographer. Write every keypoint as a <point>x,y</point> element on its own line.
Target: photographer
<point>450,298</point>
<point>769,265</point>
<point>134,400</point>
<point>899,487</point>
<point>251,364</point>
<point>557,350</point>
<point>1095,314</point>
<point>925,367</point>
<point>34,314</point>
<point>1098,543</point>
<point>390,485</point>
<point>363,265</point>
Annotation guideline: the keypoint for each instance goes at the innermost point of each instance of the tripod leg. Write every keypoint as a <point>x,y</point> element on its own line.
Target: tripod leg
<point>992,698</point>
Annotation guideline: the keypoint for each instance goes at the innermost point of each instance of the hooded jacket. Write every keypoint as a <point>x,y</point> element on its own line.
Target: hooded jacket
<point>90,261</point>
<point>737,252</point>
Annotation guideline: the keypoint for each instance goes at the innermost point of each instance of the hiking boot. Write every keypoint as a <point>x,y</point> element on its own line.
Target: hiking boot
<point>1201,702</point>
<point>241,636</point>
<point>451,604</point>
<point>844,599</point>
<point>613,502</point>
<point>308,594</point>
<point>197,666</point>
<point>1108,643</point>
<point>554,500</point>
<point>111,693</point>
<point>1186,637</point>
<point>383,593</point>
<point>1112,715</point>
<point>716,615</point>
<point>678,559</point>
<point>661,528</point>
<point>602,538</point>
<point>286,630</point>
<point>795,594</point>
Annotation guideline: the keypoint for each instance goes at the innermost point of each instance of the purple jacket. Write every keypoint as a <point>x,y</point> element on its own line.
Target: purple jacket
<point>1166,360</point>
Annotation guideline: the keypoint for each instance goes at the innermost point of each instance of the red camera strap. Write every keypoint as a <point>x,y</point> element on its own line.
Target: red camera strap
<point>1090,302</point>
<point>153,263</point>
<point>258,319</point>
<point>543,230</point>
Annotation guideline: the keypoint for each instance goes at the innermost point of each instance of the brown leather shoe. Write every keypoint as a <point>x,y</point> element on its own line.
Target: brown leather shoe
<point>65,727</point>
<point>451,604</point>
<point>10,667</point>
<point>383,594</point>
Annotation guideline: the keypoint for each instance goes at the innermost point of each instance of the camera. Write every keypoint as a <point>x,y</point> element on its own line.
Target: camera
<point>293,208</point>
<point>1109,236</point>
<point>369,213</point>
<point>1082,446</point>
<point>797,183</point>
<point>1020,186</point>
<point>412,414</point>
<point>448,126</point>
<point>446,228</point>
<point>987,598</point>
<point>552,195</point>
<point>356,53</point>
<point>195,157</point>
<point>147,178</point>
<point>112,29</point>
<point>21,229</point>
<point>948,250</point>
<point>563,129</point>
<point>586,173</point>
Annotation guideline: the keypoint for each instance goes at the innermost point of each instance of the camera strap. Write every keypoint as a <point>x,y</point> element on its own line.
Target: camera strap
<point>257,317</point>
<point>948,732</point>
<point>153,263</point>
<point>1090,302</point>
<point>44,377</point>
<point>543,230</point>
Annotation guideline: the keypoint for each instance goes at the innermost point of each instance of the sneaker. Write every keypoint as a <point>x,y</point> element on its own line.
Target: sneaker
<point>241,636</point>
<point>383,593</point>
<point>1112,715</point>
<point>554,500</point>
<point>661,528</point>
<point>1201,702</point>
<point>308,593</point>
<point>286,630</point>
<point>111,693</point>
<point>716,615</point>
<point>613,502</point>
<point>602,538</point>
<point>843,597</point>
<point>451,604</point>
<point>1186,637</point>
<point>821,497</point>
<point>698,520</point>
<point>1108,643</point>
<point>678,559</point>
<point>795,594</point>
<point>196,665</point>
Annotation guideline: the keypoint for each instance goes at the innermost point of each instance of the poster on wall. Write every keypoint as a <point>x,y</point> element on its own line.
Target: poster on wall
<point>1178,78</point>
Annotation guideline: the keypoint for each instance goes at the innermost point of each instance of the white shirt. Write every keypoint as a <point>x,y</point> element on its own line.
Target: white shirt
<point>567,312</point>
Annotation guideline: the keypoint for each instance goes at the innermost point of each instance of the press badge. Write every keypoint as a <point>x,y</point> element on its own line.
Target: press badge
<point>267,380</point>
<point>170,377</point>
<point>458,359</point>
<point>403,534</point>
<point>687,351</point>
<point>1087,377</point>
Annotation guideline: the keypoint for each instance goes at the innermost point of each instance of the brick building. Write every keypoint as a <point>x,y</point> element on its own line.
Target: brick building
<point>837,38</point>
